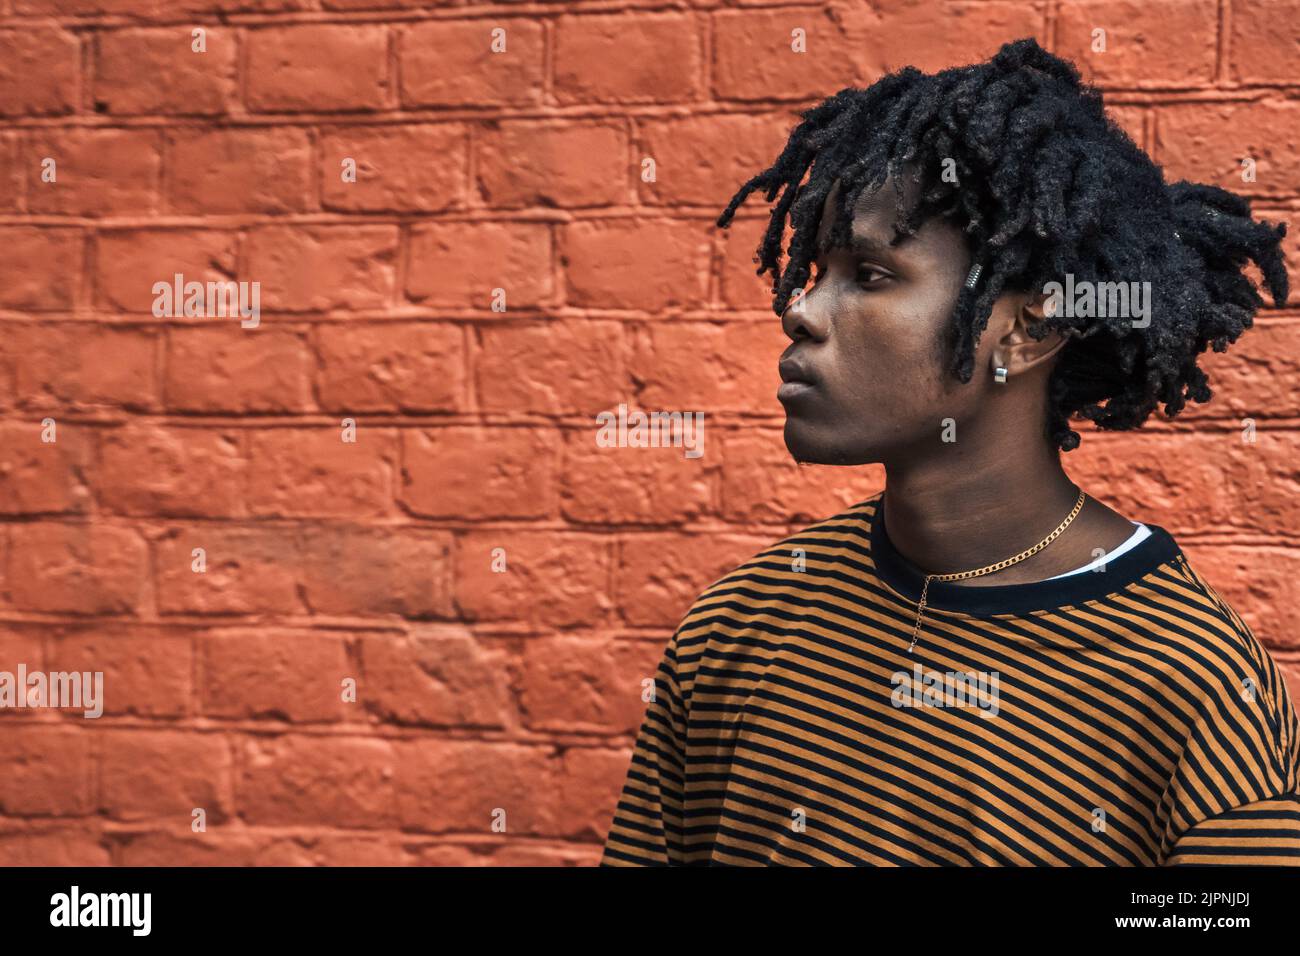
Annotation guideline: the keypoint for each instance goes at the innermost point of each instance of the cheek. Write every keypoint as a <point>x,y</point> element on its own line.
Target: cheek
<point>895,350</point>
<point>894,366</point>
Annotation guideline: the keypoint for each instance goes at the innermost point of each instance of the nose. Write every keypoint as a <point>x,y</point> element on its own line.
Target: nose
<point>806,315</point>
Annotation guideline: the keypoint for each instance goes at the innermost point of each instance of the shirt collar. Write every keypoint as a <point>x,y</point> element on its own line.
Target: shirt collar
<point>1131,566</point>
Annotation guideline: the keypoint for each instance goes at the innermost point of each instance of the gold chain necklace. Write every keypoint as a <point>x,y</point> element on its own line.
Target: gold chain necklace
<point>962,575</point>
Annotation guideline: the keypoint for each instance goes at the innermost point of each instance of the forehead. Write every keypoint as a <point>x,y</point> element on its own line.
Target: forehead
<point>874,212</point>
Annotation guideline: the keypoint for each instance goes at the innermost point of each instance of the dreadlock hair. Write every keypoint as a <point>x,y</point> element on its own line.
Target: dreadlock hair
<point>1046,184</point>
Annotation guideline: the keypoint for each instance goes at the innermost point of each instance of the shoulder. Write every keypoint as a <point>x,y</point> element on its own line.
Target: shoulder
<point>1244,739</point>
<point>781,571</point>
<point>840,536</point>
<point>1226,642</point>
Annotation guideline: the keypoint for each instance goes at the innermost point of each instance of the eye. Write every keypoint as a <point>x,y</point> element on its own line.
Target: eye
<point>870,275</point>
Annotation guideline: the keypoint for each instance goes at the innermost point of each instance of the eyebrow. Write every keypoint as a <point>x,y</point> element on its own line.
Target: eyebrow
<point>871,245</point>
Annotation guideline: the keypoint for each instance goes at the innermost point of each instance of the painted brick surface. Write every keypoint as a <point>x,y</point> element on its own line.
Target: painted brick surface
<point>185,439</point>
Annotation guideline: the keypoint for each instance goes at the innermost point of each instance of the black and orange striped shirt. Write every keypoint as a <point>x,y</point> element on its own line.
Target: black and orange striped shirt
<point>1125,716</point>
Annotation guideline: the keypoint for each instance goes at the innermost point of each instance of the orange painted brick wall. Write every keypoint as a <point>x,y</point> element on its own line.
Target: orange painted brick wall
<point>477,690</point>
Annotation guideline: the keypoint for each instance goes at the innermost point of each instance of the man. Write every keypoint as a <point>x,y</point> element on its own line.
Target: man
<point>981,665</point>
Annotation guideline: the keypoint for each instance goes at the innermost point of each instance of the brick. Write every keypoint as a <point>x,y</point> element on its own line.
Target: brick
<point>371,4</point>
<point>452,63</point>
<point>272,673</point>
<point>41,270</point>
<point>391,366</point>
<point>175,845</point>
<point>47,771</point>
<point>473,472</point>
<point>1149,44</point>
<point>550,579</point>
<point>1263,38</point>
<point>1197,481</point>
<point>709,368</point>
<point>934,36</point>
<point>80,364</point>
<point>12,186</point>
<point>510,779</point>
<point>226,847</point>
<point>332,850</point>
<point>148,8</point>
<point>761,482</point>
<point>299,473</point>
<point>1259,583</point>
<point>1132,120</point>
<point>354,571</point>
<point>39,71</point>
<point>436,675</point>
<point>586,685</point>
<point>634,485</point>
<point>532,853</point>
<point>249,570</point>
<point>98,172</point>
<point>154,470</point>
<point>569,165</point>
<point>741,287</point>
<point>705,159</point>
<point>323,268</point>
<point>1290,255</point>
<point>1255,377</point>
<point>405,168</point>
<point>39,477</point>
<point>336,781</point>
<point>464,264</point>
<point>76,568</point>
<point>628,58</point>
<point>317,67</point>
<point>658,576</point>
<point>261,170</point>
<point>147,670</point>
<point>64,847</point>
<point>590,785</point>
<point>197,83</point>
<point>129,261</point>
<point>629,264</point>
<point>1290,670</point>
<point>551,366</point>
<point>754,58</point>
<point>233,369</point>
<point>152,774</point>
<point>21,644</point>
<point>1207,142</point>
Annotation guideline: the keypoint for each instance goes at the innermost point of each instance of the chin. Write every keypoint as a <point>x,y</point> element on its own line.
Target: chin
<point>811,445</point>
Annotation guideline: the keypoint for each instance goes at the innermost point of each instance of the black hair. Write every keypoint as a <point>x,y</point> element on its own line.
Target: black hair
<point>1046,184</point>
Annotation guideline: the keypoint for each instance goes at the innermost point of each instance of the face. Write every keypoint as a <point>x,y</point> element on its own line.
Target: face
<point>864,378</point>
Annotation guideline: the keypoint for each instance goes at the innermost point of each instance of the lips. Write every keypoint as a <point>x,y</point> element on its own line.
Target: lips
<point>792,369</point>
<point>797,379</point>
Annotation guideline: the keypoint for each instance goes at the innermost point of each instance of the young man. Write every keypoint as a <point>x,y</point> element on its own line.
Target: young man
<point>981,665</point>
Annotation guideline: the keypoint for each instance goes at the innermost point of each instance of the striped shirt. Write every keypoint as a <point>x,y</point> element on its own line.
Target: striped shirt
<point>1122,717</point>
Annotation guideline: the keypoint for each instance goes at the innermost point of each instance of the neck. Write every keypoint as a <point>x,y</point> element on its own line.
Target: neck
<point>944,519</point>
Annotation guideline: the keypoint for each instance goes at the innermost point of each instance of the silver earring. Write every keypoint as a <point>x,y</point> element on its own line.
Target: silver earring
<point>999,375</point>
<point>973,276</point>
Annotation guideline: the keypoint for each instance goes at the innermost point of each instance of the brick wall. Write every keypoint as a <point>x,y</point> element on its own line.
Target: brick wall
<point>371,561</point>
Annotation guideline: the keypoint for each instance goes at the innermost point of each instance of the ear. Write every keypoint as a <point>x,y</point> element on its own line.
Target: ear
<point>1018,351</point>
